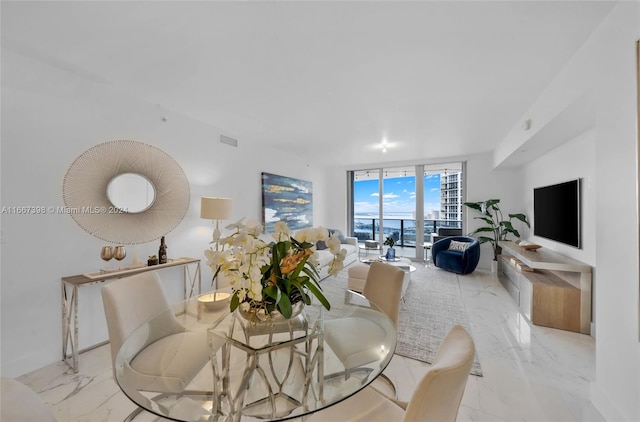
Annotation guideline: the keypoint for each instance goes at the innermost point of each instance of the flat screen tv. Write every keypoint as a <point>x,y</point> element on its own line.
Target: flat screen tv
<point>556,212</point>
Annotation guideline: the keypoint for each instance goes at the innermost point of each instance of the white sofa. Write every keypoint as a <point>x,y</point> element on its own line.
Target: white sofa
<point>325,257</point>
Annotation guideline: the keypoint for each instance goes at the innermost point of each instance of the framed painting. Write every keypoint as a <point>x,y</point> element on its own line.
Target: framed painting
<point>286,199</point>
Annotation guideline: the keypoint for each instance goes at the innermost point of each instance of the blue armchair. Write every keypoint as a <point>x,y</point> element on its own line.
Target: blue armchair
<point>460,262</point>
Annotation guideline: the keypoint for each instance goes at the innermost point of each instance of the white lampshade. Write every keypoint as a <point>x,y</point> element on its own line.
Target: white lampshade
<point>213,208</point>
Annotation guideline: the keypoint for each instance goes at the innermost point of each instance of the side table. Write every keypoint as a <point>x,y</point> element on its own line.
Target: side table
<point>427,252</point>
<point>71,284</point>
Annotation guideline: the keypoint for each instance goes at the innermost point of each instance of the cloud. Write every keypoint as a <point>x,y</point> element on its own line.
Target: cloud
<point>390,195</point>
<point>375,194</point>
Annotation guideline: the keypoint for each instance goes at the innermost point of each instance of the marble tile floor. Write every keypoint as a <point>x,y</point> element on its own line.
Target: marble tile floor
<point>531,373</point>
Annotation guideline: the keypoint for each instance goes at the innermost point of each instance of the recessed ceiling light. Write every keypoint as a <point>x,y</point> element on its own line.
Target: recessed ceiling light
<point>384,145</point>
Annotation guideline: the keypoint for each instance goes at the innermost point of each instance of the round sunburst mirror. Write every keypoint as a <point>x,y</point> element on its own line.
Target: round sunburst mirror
<point>126,192</point>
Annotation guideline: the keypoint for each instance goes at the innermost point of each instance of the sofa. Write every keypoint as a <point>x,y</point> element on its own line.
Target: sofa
<point>350,244</point>
<point>460,257</point>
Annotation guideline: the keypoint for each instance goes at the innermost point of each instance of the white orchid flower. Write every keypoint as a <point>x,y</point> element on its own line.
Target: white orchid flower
<point>281,231</point>
<point>334,245</point>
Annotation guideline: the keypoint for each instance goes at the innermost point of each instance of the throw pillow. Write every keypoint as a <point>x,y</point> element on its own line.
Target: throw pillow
<point>339,234</point>
<point>320,245</point>
<point>454,245</point>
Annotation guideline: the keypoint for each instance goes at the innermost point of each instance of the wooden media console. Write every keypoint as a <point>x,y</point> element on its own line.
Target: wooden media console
<point>550,289</point>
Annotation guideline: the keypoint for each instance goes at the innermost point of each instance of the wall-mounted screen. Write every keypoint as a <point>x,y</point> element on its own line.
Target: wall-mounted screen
<point>556,212</point>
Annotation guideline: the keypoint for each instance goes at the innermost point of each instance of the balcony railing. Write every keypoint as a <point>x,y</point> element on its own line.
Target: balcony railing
<point>402,230</point>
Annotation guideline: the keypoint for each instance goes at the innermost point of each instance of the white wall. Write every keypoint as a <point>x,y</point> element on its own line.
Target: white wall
<point>572,160</point>
<point>483,182</point>
<point>51,116</point>
<point>616,391</point>
<point>606,157</point>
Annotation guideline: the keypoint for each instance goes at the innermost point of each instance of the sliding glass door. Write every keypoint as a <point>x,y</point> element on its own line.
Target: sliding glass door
<point>393,202</point>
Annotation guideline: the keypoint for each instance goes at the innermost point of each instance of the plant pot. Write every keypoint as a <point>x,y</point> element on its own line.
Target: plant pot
<point>151,262</point>
<point>494,266</point>
<point>255,317</point>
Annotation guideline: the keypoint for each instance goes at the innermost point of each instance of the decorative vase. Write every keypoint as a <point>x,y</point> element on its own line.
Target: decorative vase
<point>258,316</point>
<point>391,254</point>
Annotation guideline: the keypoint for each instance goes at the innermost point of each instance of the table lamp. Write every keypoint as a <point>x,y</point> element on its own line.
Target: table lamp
<point>214,208</point>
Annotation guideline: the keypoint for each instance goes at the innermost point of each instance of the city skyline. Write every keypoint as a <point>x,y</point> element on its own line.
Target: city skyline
<point>399,196</point>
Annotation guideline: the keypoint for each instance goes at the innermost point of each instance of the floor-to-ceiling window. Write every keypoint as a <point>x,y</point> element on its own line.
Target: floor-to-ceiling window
<point>391,201</point>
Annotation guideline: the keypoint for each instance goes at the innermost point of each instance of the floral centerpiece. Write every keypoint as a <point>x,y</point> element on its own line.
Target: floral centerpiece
<point>271,277</point>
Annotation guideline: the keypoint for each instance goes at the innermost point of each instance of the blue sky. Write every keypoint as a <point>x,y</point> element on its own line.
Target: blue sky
<point>399,195</point>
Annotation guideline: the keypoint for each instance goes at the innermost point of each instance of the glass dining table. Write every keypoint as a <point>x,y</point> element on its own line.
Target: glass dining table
<point>258,371</point>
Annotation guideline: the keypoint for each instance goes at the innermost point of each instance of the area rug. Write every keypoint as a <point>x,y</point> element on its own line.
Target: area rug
<point>432,305</point>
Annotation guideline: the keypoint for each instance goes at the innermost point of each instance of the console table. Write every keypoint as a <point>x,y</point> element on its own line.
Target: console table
<point>71,284</point>
<point>551,290</point>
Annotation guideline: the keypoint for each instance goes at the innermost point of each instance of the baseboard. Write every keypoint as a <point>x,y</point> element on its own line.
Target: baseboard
<point>604,406</point>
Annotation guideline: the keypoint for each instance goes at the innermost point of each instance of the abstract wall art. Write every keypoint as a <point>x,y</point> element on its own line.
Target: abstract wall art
<point>286,199</point>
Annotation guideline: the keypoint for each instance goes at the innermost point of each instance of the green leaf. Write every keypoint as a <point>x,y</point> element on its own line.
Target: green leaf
<point>474,205</point>
<point>521,217</point>
<point>299,267</point>
<point>318,294</point>
<point>311,271</point>
<point>492,203</point>
<point>235,302</point>
<point>484,229</point>
<point>284,305</point>
<point>272,292</point>
<point>484,239</point>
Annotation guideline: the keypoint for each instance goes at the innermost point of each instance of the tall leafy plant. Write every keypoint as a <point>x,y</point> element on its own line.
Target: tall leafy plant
<point>497,228</point>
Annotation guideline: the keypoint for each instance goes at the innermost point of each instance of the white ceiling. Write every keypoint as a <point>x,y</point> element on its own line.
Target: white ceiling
<point>326,80</point>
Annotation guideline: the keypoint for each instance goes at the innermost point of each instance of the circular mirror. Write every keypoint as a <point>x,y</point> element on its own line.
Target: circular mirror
<point>115,175</point>
<point>131,192</point>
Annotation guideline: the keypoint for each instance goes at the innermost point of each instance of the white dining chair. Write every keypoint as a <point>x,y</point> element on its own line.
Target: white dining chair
<point>22,404</point>
<point>168,356</point>
<point>436,398</point>
<point>354,338</point>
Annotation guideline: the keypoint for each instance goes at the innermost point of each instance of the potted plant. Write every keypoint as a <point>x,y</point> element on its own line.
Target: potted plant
<point>497,228</point>
<point>391,253</point>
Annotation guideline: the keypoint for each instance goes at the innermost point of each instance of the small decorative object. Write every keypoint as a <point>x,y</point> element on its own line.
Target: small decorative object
<point>268,279</point>
<point>106,253</point>
<point>119,252</point>
<point>497,226</point>
<point>153,260</point>
<point>214,301</point>
<point>162,252</point>
<point>391,252</point>
<point>531,247</point>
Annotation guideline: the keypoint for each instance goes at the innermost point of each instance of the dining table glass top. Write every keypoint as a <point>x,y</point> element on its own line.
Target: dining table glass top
<point>252,371</point>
